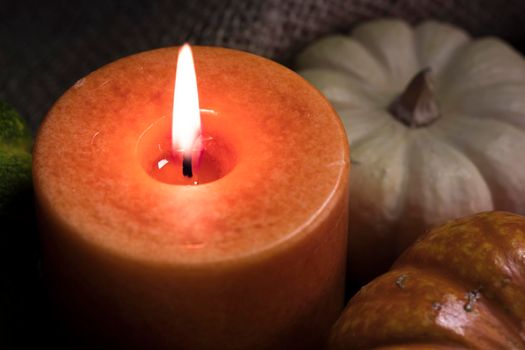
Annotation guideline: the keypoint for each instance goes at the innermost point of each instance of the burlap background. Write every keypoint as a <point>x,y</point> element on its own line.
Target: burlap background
<point>46,46</point>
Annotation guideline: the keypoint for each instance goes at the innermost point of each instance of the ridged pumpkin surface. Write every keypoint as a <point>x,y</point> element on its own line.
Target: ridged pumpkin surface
<point>406,179</point>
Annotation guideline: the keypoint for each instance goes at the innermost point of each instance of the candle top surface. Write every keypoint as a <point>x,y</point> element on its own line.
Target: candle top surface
<point>290,155</point>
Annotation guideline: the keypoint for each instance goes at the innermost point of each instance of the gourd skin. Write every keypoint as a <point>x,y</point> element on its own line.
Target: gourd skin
<point>461,286</point>
<point>407,179</point>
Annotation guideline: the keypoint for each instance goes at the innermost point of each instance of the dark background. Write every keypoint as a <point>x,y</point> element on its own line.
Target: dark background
<point>46,46</point>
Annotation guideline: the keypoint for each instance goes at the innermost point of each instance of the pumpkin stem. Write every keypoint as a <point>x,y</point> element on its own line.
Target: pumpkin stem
<point>416,106</point>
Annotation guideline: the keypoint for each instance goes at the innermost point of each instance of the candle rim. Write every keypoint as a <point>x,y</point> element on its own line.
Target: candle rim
<point>276,247</point>
<point>286,238</point>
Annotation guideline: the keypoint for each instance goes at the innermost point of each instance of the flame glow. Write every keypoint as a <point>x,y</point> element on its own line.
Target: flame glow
<point>186,125</point>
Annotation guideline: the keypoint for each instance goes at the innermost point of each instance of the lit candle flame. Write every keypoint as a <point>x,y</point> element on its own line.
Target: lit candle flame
<point>186,124</point>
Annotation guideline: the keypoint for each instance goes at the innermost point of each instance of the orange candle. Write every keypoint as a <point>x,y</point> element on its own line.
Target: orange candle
<point>245,251</point>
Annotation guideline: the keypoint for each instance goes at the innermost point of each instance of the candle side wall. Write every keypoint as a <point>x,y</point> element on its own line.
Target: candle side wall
<point>284,301</point>
<point>253,260</point>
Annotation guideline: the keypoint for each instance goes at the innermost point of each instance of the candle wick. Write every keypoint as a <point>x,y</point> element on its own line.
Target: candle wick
<point>186,166</point>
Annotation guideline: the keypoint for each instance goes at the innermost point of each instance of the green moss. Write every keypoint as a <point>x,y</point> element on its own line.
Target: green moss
<point>19,285</point>
<point>15,157</point>
<point>15,176</point>
<point>13,130</point>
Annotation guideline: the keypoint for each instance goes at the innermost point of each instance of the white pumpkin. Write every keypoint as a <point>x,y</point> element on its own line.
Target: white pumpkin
<point>422,152</point>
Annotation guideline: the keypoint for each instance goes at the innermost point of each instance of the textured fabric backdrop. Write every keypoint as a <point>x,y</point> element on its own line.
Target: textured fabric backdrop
<point>46,46</point>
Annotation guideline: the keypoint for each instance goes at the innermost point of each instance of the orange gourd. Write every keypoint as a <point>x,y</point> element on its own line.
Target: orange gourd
<point>461,286</point>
